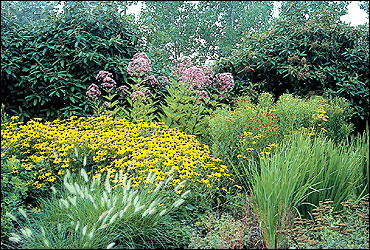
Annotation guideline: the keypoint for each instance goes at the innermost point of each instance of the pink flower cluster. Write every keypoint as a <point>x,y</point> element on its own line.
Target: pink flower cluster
<point>163,80</point>
<point>107,79</point>
<point>140,93</point>
<point>224,82</point>
<point>123,90</point>
<point>208,71</point>
<point>150,81</point>
<point>180,65</point>
<point>93,91</point>
<point>195,76</point>
<point>139,65</point>
<point>202,95</point>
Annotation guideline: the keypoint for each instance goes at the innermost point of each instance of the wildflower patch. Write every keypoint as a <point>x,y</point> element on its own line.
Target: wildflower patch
<point>49,148</point>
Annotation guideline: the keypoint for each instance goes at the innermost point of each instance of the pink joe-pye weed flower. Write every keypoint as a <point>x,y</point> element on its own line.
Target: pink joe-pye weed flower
<point>196,77</point>
<point>123,90</point>
<point>103,74</point>
<point>202,95</point>
<point>93,92</point>
<point>180,65</point>
<point>140,93</point>
<point>137,95</point>
<point>151,81</point>
<point>107,79</point>
<point>139,65</point>
<point>208,71</point>
<point>163,81</point>
<point>224,82</point>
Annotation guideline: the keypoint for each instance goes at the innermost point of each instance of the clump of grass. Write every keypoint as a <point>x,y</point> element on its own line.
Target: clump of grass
<point>88,213</point>
<point>303,170</point>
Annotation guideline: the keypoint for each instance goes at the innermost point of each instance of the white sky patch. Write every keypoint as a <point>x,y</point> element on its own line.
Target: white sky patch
<point>354,17</point>
<point>135,9</point>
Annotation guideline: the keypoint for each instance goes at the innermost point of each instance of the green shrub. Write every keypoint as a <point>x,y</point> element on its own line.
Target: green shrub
<point>242,132</point>
<point>249,130</point>
<point>219,232</point>
<point>46,66</point>
<point>182,110</point>
<point>315,56</point>
<point>320,115</point>
<point>90,213</point>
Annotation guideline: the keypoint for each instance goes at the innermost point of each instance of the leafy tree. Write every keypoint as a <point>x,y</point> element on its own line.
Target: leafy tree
<point>203,30</point>
<point>48,64</point>
<point>169,29</point>
<point>228,21</point>
<point>28,11</point>
<point>314,8</point>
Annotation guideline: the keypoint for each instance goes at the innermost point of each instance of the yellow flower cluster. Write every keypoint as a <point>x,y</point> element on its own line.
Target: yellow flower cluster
<point>247,148</point>
<point>138,149</point>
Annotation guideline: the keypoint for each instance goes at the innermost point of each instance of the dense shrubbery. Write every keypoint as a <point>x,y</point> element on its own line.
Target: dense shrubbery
<point>305,57</point>
<point>45,70</point>
<point>253,130</point>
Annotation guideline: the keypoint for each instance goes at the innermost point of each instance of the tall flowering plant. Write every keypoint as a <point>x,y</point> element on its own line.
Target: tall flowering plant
<point>109,86</point>
<point>145,81</point>
<point>146,85</point>
<point>202,79</point>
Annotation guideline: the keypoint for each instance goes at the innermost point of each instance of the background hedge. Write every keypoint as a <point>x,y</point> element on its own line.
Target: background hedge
<point>48,64</point>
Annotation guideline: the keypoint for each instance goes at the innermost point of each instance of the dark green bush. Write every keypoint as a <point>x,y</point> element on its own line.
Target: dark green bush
<point>318,56</point>
<point>48,65</point>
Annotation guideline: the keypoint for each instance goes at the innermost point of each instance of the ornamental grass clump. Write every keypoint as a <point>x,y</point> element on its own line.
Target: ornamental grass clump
<point>301,172</point>
<point>87,213</point>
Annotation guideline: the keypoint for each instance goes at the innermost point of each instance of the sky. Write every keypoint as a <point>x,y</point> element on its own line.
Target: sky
<point>354,17</point>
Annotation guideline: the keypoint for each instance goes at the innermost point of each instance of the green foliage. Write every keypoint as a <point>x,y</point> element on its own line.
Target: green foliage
<point>140,110</point>
<point>183,111</point>
<point>344,229</point>
<point>365,6</point>
<point>242,132</point>
<point>250,130</point>
<point>207,29</point>
<point>302,170</point>
<point>318,114</point>
<point>4,116</point>
<point>315,8</point>
<point>89,213</point>
<point>46,70</point>
<point>213,231</point>
<point>316,56</point>
<point>27,12</point>
<point>14,189</point>
<point>362,142</point>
